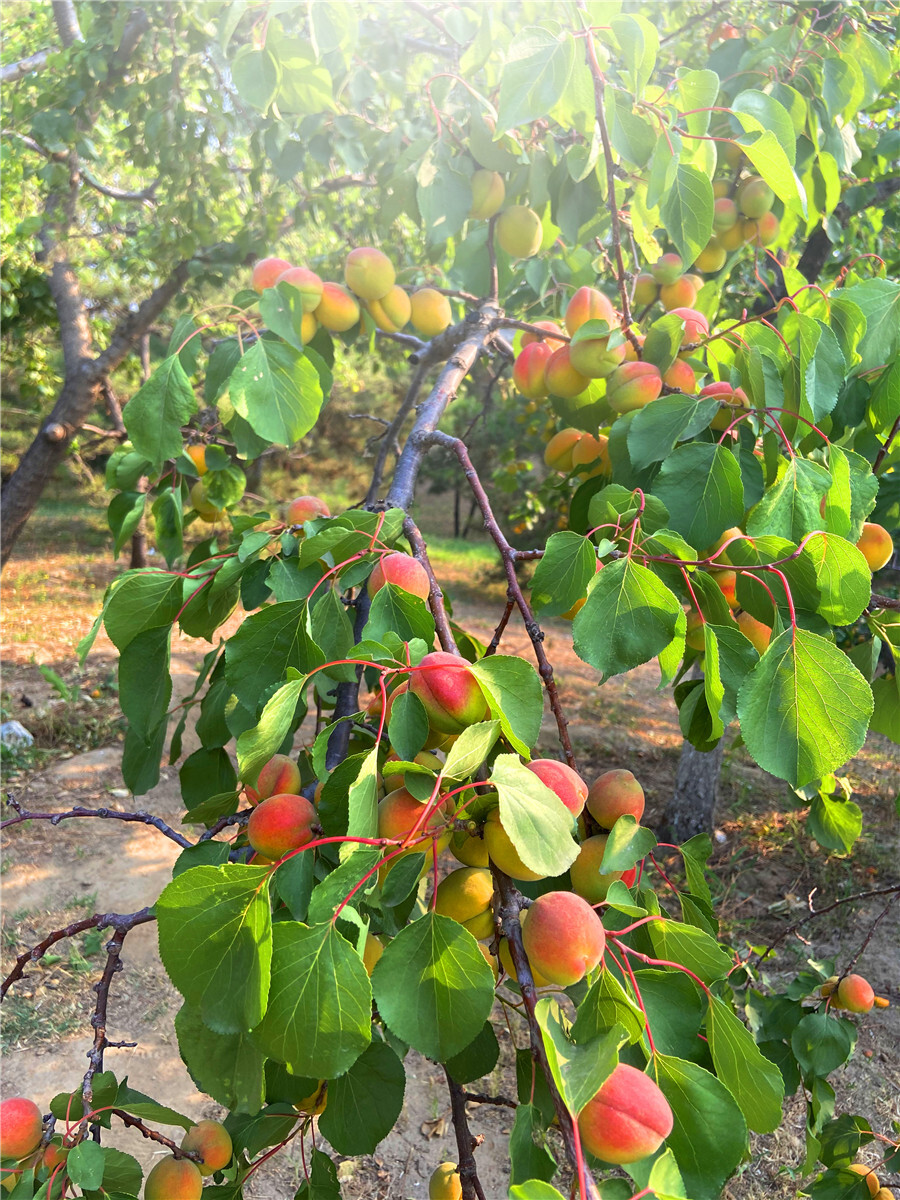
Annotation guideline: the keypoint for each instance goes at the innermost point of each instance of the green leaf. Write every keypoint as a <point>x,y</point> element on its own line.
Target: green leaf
<point>155,414</point>
<point>605,1005</point>
<point>362,802</point>
<point>228,1067</point>
<point>834,822</point>
<point>736,659</point>
<point>168,518</point>
<point>675,1009</point>
<point>639,45</point>
<point>817,368</point>
<point>408,727</point>
<point>364,1104</point>
<point>527,1159</point>
<point>86,1166</point>
<point>139,1105</point>
<point>398,611</point>
<point>323,1181</point>
<point>804,709</point>
<point>256,75</point>
<point>879,300</point>
<point>578,1069</point>
<point>478,1058</point>
<point>629,617</point>
<point>790,507</point>
<point>206,773</point>
<point>258,655</point>
<point>537,67</point>
<point>124,515</point>
<point>257,745</point>
<point>696,90</point>
<point>759,111</point>
<point>563,574</point>
<point>512,689</point>
<point>852,494</point>
<point>306,86</point>
<point>700,484</point>
<point>534,1189</point>
<point>122,1173</point>
<point>753,1080</point>
<point>773,164</point>
<point>277,390</point>
<point>333,890</point>
<point>691,947</point>
<point>538,823</point>
<point>470,749</point>
<point>433,986</point>
<point>821,1043</point>
<point>318,1019</point>
<point>215,941</point>
<point>843,576</point>
<point>656,429</point>
<point>626,845</point>
<point>687,210</point>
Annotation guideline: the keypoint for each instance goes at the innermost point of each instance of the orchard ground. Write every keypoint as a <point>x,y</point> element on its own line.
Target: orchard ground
<point>763,864</point>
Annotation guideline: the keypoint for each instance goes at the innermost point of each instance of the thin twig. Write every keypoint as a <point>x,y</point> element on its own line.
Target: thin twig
<point>151,1134</point>
<point>465,1142</point>
<point>142,818</point>
<point>762,955</point>
<point>436,595</point>
<point>501,626</point>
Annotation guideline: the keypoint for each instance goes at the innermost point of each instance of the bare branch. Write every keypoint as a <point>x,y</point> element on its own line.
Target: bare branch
<point>762,955</point>
<point>13,72</point>
<point>465,1142</point>
<point>152,1135</point>
<point>142,818</point>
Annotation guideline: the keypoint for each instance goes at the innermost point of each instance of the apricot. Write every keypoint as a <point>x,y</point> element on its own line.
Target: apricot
<point>306,508</point>
<point>280,824</point>
<point>595,358</point>
<point>728,535</point>
<point>587,881</point>
<point>280,775</point>
<point>563,937</point>
<point>615,794</point>
<point>680,375</point>
<point>756,632</point>
<point>562,378</point>
<point>551,328</point>
<point>449,691</point>
<point>174,1179</point>
<point>307,283</point>
<point>488,194</point>
<point>505,956</point>
<point>530,370</point>
<point>693,634</point>
<point>490,959</point>
<point>197,455</point>
<point>868,1174</point>
<point>726,581</point>
<point>519,231</point>
<point>266,272</point>
<point>212,1141</point>
<point>762,232</point>
<point>712,257</point>
<point>667,269</point>
<point>680,294</point>
<point>338,311</point>
<point>372,951</point>
<point>628,1119</point>
<point>646,289</point>
<point>589,304</point>
<point>502,852</point>
<point>314,1104</point>
<point>465,895</point>
<point>21,1127</point>
<point>725,214</point>
<point>561,779</point>
<point>733,238</point>
<point>854,994</point>
<point>55,1154</point>
<point>559,453</point>
<point>593,452</point>
<point>431,313</point>
<point>400,812</point>
<point>755,197</point>
<point>204,508</point>
<point>633,386</point>
<point>469,849</point>
<point>369,273</point>
<point>876,544</point>
<point>884,1194</point>
<point>404,572</point>
<point>732,153</point>
<point>721,187</point>
<point>391,311</point>
<point>696,326</point>
<point>445,1183</point>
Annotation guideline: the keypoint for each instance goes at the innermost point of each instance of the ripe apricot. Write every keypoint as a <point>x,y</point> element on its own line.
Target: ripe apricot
<point>21,1127</point>
<point>449,691</point>
<point>762,232</point>
<point>615,794</point>
<point>680,294</point>
<point>755,197</point>
<point>595,358</point>
<point>400,812</point>
<point>431,313</point>
<point>55,1154</point>
<point>589,304</point>
<point>465,895</point>
<point>519,231</point>
<point>696,326</point>
<point>369,273</point>
<point>469,849</point>
<point>868,1174</point>
<point>502,852</point>
<point>338,311</point>
<point>562,378</point>
<point>280,824</point>
<point>307,283</point>
<point>204,508</point>
<point>584,872</point>
<point>530,370</point>
<point>884,1194</point>
<point>561,779</point>
<point>266,272</point>
<point>722,559</point>
<point>563,937</point>
<point>756,632</point>
<point>197,455</point>
<point>628,1119</point>
<point>667,269</point>
<point>712,257</point>
<point>280,775</point>
<point>593,453</point>
<point>876,544</point>
<point>445,1183</point>
<point>391,311</point>
<point>854,994</point>
<point>174,1179</point>
<point>680,375</point>
<point>551,327</point>
<point>404,572</point>
<point>488,194</point>
<point>725,214</point>
<point>646,289</point>
<point>211,1140</point>
<point>632,386</point>
<point>726,581</point>
<point>306,508</point>
<point>560,450</point>
<point>506,961</point>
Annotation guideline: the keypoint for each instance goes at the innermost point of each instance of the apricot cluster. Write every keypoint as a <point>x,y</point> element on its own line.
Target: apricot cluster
<point>282,820</point>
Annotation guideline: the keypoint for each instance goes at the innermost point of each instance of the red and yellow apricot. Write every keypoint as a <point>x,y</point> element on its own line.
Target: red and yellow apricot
<point>280,824</point>
<point>488,194</point>
<point>590,455</point>
<point>369,273</point>
<point>628,1119</point>
<point>762,232</point>
<point>680,375</point>
<point>562,378</point>
<point>307,283</point>
<point>732,239</point>
<point>712,257</point>
<point>633,386</point>
<point>756,632</point>
<point>212,1141</point>
<point>445,1183</point>
<point>55,1154</point>
<point>266,272</point>
<point>561,779</point>
<point>876,545</point>
<point>725,214</point>
<point>563,937</point>
<point>646,289</point>
<point>430,312</point>
<point>306,508</point>
<point>465,895</point>
<point>854,994</point>
<point>403,571</point>
<point>338,311</point>
<point>726,581</point>
<point>589,304</point>
<point>595,358</point>
<point>530,370</point>
<point>174,1179</point>
<point>449,691</point>
<point>680,294</point>
<point>502,852</point>
<point>667,269</point>
<point>279,776</point>
<point>733,400</point>
<point>21,1127</point>
<point>755,197</point>
<point>560,450</point>
<point>391,311</point>
<point>696,326</point>
<point>615,794</point>
<point>584,872</point>
<point>519,231</point>
<point>551,328</point>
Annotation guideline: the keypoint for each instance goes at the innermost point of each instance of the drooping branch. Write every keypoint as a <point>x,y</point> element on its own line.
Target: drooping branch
<point>110,814</point>
<point>436,596</point>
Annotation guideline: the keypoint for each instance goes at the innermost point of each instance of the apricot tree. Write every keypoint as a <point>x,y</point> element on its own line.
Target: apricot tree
<point>724,440</point>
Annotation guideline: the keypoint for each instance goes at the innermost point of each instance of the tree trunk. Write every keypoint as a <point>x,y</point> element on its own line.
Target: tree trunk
<point>692,807</point>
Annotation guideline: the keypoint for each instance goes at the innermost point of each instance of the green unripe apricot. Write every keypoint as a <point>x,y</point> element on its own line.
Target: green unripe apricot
<point>755,197</point>
<point>519,231</point>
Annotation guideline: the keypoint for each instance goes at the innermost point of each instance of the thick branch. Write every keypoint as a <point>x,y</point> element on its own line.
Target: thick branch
<point>465,1143</point>
<point>67,22</point>
<point>13,72</point>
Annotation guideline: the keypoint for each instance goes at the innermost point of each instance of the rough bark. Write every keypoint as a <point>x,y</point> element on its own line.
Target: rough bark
<point>692,806</point>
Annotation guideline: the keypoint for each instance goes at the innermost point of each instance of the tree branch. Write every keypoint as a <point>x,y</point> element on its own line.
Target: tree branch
<point>13,72</point>
<point>142,818</point>
<point>465,1142</point>
<point>67,22</point>
<point>152,1135</point>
